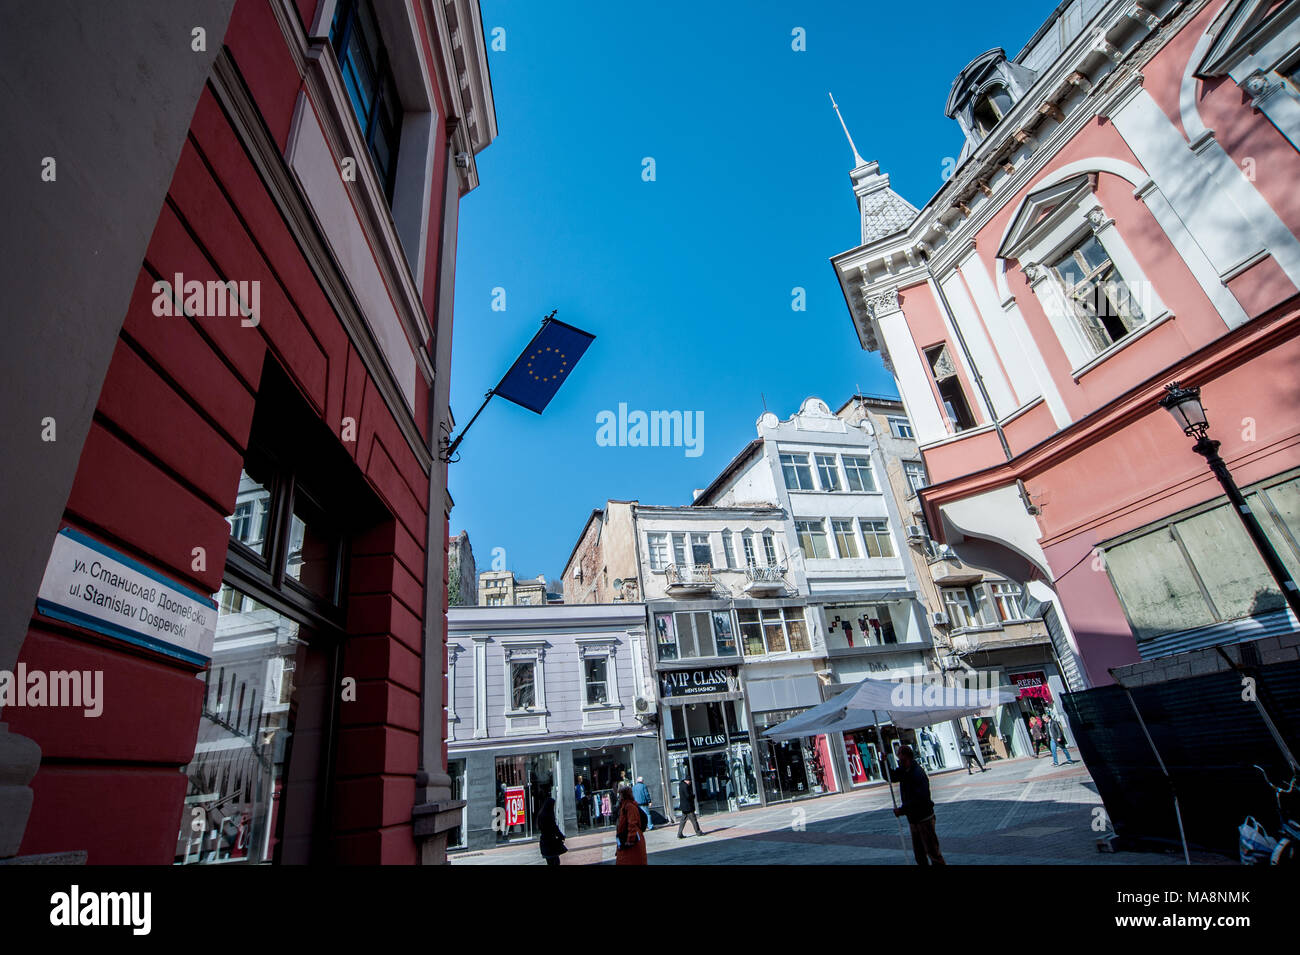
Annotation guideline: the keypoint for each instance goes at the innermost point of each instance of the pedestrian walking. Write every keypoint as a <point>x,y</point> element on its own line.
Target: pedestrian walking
<point>641,793</point>
<point>1037,733</point>
<point>686,797</point>
<point>968,753</point>
<point>1056,734</point>
<point>631,839</point>
<point>915,803</point>
<point>552,839</point>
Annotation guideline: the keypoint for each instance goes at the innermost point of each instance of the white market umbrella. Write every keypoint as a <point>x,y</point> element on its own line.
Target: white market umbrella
<point>907,704</point>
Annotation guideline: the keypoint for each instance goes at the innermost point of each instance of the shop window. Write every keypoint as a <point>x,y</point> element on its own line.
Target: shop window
<point>857,470</point>
<point>367,75</point>
<point>523,783</point>
<point>688,634</point>
<point>774,630</point>
<point>1200,567</point>
<point>846,539</point>
<point>812,539</point>
<point>797,472</point>
<point>597,774</point>
<point>876,536</point>
<point>951,395</point>
<point>263,754</point>
<point>456,770</point>
<point>828,473</point>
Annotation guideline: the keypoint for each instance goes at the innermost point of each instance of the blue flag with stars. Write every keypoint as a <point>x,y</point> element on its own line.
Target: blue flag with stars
<point>537,374</point>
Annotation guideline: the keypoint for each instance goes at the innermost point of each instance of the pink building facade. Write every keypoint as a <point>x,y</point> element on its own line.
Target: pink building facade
<point>1123,214</point>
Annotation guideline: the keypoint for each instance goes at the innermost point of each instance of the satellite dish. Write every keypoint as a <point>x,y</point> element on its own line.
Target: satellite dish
<point>618,582</point>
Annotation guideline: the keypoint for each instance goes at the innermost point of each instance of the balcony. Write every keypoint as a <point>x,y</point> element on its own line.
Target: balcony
<point>689,580</point>
<point>984,639</point>
<point>765,581</point>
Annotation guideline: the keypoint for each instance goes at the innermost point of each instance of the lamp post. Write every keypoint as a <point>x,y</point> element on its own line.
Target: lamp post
<point>1185,405</point>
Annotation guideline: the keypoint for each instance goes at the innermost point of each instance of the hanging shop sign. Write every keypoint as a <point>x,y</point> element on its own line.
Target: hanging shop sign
<point>1033,685</point>
<point>696,682</point>
<point>89,584</point>
<point>516,813</point>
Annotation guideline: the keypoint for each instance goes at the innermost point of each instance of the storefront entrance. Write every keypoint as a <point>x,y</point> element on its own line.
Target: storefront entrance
<point>523,783</point>
<point>596,775</point>
<point>710,740</point>
<point>793,768</point>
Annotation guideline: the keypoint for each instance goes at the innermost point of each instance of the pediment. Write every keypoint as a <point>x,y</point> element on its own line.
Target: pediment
<point>1041,211</point>
<point>1237,26</point>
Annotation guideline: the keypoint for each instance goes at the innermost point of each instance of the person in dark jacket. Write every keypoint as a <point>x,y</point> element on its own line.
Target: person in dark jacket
<point>968,753</point>
<point>552,839</point>
<point>916,805</point>
<point>686,796</point>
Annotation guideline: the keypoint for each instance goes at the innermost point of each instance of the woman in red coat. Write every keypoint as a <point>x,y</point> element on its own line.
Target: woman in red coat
<point>631,840</point>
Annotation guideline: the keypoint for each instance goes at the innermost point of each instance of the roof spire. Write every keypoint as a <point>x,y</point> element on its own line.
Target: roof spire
<point>858,160</point>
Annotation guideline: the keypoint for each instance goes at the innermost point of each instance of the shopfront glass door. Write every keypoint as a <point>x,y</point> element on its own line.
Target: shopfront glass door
<point>523,783</point>
<point>711,773</point>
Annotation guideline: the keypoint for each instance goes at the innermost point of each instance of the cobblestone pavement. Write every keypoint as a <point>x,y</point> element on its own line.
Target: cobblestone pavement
<point>1020,812</point>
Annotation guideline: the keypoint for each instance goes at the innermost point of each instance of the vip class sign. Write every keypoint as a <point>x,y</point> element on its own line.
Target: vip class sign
<point>89,584</point>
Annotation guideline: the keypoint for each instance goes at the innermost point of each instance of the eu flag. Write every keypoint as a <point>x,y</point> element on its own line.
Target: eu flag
<point>537,374</point>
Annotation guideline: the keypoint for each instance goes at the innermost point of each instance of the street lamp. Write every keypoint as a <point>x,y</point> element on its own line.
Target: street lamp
<point>1185,405</point>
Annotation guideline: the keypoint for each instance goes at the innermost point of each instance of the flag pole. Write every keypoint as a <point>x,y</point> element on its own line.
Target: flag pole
<point>451,448</point>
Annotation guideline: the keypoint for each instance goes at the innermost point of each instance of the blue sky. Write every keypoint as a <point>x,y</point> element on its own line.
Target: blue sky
<point>687,280</point>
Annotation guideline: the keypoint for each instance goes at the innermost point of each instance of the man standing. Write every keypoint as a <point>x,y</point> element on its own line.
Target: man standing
<point>686,796</point>
<point>641,793</point>
<point>915,803</point>
<point>1056,733</point>
<point>968,753</point>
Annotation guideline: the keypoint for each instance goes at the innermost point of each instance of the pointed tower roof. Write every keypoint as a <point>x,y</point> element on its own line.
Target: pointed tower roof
<point>883,211</point>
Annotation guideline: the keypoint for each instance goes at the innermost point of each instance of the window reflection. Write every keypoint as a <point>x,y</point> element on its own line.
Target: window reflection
<point>252,507</point>
<point>238,768</point>
<point>312,551</point>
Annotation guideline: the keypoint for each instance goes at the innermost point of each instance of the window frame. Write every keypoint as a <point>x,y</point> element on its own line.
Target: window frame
<point>877,534</point>
<point>849,533</point>
<point>1075,214</point>
<point>899,423</point>
<point>347,14</point>
<point>855,470</point>
<point>793,466</point>
<point>827,465</point>
<point>820,525</point>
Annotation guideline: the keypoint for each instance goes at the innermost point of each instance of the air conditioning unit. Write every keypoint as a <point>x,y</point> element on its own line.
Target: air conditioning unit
<point>939,618</point>
<point>915,532</point>
<point>642,705</point>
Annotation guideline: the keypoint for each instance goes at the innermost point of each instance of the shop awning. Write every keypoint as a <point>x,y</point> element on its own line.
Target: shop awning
<point>907,704</point>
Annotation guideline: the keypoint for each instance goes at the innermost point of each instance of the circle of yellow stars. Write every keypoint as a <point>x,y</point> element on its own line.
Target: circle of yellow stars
<point>560,371</point>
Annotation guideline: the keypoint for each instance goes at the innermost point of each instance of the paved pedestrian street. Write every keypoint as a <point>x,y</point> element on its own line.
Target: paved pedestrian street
<point>1020,812</point>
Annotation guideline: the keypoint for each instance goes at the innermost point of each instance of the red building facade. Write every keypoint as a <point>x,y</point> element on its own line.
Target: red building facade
<point>279,451</point>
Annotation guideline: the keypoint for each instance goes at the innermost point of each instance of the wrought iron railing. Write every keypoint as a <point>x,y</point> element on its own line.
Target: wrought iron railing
<point>765,575</point>
<point>689,574</point>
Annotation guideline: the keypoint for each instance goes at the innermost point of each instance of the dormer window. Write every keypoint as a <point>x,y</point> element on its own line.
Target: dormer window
<point>990,108</point>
